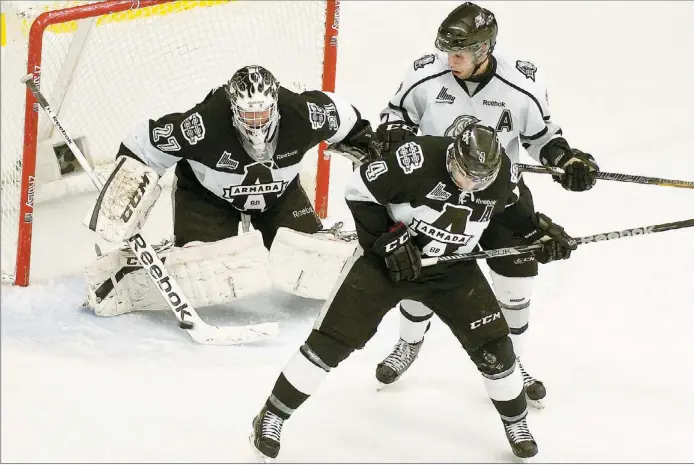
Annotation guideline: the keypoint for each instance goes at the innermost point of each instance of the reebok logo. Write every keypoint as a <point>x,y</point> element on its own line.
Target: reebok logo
<point>444,96</point>
<point>302,212</point>
<point>286,154</point>
<point>616,235</point>
<point>161,276</point>
<point>493,103</point>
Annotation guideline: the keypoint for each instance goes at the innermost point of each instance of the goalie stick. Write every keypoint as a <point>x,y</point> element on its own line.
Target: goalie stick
<point>612,176</point>
<point>599,237</point>
<point>186,315</point>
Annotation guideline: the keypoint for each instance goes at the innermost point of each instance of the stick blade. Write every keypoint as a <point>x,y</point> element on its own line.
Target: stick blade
<point>232,335</point>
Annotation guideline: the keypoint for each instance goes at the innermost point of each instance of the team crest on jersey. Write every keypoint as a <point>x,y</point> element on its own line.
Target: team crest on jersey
<point>440,235</point>
<point>527,69</point>
<point>275,187</point>
<point>193,128</point>
<point>375,169</point>
<point>439,193</point>
<point>227,162</point>
<point>316,115</point>
<point>410,157</point>
<point>425,60</point>
<point>459,123</point>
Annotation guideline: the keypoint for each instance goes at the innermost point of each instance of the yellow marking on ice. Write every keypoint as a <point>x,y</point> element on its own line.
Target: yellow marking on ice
<point>2,29</point>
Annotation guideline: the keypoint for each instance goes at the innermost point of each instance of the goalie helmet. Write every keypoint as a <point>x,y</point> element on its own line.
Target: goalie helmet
<point>469,29</point>
<point>474,158</point>
<point>253,93</point>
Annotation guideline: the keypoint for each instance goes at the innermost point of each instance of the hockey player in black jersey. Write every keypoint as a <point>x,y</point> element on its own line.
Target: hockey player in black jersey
<point>238,151</point>
<point>467,80</point>
<point>430,196</point>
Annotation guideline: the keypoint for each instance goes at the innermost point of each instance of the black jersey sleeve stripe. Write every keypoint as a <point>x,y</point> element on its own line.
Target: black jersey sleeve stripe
<point>523,91</point>
<point>405,115</point>
<point>537,135</point>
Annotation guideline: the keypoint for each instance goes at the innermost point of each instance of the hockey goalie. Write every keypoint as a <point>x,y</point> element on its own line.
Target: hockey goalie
<point>234,162</point>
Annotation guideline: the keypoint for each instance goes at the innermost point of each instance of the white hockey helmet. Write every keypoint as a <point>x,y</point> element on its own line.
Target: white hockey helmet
<point>253,93</point>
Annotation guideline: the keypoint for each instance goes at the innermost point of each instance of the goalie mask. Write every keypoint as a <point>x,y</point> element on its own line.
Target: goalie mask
<point>253,93</point>
<point>474,158</point>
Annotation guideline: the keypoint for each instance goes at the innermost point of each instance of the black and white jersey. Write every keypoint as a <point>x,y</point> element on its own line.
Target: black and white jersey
<point>513,99</point>
<point>204,137</point>
<point>412,185</point>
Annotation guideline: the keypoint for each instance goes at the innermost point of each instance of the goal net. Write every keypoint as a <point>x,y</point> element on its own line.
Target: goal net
<point>105,66</point>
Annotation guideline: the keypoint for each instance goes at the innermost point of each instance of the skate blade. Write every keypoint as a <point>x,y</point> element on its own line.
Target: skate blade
<point>537,404</point>
<point>524,460</point>
<point>260,457</point>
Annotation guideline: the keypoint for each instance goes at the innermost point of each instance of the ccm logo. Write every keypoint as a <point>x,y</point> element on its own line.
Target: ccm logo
<point>483,321</point>
<point>399,242</point>
<point>135,199</point>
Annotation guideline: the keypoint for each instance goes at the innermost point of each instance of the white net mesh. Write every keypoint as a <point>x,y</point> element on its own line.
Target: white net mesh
<point>102,75</point>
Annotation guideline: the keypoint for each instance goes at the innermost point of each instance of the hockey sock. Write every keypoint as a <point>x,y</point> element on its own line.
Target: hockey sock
<point>514,296</point>
<point>414,321</point>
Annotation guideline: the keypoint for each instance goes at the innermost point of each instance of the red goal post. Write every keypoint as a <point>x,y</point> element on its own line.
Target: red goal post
<point>273,51</point>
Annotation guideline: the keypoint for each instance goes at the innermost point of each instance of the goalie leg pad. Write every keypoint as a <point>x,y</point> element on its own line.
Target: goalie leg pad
<point>308,265</point>
<point>125,201</point>
<point>208,273</point>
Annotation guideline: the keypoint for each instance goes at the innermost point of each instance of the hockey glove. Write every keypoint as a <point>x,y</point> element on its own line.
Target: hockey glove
<point>403,258</point>
<point>393,135</point>
<point>557,245</point>
<point>359,145</point>
<point>579,167</point>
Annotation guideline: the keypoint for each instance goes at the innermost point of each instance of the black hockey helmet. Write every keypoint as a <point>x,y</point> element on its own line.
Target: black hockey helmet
<point>466,26</point>
<point>474,158</point>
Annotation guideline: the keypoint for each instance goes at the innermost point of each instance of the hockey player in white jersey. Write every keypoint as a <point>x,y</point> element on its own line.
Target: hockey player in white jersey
<point>440,93</point>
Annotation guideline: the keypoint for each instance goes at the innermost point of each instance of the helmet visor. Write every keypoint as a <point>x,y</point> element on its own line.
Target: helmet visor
<point>475,53</point>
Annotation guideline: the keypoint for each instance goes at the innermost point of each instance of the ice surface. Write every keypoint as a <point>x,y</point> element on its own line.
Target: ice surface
<point>612,330</point>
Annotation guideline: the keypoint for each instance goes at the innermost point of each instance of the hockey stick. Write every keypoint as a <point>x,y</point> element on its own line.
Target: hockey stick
<point>612,176</point>
<point>188,318</point>
<point>606,236</point>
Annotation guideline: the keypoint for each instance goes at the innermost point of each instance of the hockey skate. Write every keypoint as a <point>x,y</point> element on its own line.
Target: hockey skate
<point>521,440</point>
<point>266,435</point>
<point>395,364</point>
<point>535,391</point>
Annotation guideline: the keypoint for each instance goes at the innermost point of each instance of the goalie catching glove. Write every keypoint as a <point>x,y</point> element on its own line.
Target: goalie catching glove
<point>125,201</point>
<point>557,245</point>
<point>402,257</point>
